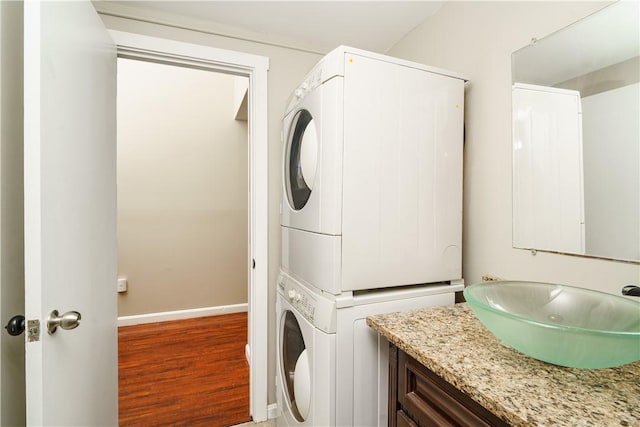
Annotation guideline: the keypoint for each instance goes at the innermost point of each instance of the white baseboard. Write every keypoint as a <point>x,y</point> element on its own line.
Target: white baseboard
<point>181,314</point>
<point>272,411</point>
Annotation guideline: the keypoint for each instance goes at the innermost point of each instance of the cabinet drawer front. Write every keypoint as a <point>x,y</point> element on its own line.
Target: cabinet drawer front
<point>430,400</point>
<point>403,420</point>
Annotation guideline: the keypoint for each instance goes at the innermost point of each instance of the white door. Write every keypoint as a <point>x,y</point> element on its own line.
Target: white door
<point>70,208</point>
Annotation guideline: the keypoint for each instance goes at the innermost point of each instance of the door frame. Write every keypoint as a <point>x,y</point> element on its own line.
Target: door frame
<point>136,46</point>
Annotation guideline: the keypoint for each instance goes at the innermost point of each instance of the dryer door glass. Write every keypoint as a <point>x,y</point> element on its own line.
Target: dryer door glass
<point>295,368</point>
<point>301,159</point>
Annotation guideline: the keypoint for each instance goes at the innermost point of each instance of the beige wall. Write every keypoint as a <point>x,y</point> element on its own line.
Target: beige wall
<point>12,405</point>
<point>477,39</point>
<point>287,67</point>
<point>182,189</point>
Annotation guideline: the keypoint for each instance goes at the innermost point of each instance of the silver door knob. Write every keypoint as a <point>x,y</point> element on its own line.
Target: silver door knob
<point>69,320</point>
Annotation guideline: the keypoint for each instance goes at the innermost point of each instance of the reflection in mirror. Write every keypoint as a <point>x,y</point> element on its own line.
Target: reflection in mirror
<point>576,138</point>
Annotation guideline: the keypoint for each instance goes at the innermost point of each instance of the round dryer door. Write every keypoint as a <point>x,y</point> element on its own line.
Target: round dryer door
<point>301,159</point>
<point>296,372</point>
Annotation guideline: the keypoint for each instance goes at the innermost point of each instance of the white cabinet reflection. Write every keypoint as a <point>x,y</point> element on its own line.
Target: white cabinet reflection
<point>548,207</point>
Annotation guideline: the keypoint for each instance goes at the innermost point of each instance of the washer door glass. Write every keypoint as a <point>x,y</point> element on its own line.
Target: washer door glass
<point>296,373</point>
<point>301,159</point>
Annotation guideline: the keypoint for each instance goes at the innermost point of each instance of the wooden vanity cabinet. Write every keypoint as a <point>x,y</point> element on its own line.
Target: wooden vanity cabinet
<point>419,397</point>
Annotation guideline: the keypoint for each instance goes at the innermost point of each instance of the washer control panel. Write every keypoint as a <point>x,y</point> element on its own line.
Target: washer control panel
<point>312,305</point>
<point>303,302</point>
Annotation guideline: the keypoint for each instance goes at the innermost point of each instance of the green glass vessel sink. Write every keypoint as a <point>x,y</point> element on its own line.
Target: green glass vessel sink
<point>563,325</point>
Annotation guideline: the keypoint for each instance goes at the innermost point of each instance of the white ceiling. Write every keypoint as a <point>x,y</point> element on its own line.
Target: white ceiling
<point>317,26</point>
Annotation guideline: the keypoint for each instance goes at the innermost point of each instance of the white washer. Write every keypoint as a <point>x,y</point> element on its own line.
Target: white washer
<point>372,177</point>
<point>347,380</point>
<point>306,339</point>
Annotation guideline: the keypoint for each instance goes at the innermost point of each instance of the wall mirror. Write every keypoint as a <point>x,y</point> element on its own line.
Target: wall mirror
<point>576,139</point>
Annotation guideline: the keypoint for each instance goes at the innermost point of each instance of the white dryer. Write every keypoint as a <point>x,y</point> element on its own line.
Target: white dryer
<point>372,177</point>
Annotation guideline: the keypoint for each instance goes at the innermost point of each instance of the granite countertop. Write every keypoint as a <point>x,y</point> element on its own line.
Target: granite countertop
<point>521,390</point>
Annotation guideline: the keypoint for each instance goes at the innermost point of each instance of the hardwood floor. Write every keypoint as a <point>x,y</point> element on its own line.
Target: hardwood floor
<point>184,373</point>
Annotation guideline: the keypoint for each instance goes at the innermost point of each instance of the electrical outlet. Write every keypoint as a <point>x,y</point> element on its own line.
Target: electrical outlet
<point>122,284</point>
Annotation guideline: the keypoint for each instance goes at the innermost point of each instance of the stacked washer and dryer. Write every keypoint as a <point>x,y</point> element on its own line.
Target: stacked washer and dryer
<point>371,221</point>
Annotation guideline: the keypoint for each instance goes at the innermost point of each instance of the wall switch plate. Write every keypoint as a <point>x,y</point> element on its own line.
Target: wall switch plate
<point>122,284</point>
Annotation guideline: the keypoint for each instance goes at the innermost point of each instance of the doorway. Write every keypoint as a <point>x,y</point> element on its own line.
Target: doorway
<point>135,46</point>
<point>182,243</point>
<point>182,190</point>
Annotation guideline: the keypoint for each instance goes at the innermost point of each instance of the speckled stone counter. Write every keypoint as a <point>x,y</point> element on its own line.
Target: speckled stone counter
<point>523,391</point>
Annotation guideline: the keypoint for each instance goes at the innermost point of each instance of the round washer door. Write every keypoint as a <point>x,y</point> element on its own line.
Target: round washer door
<point>301,159</point>
<point>295,369</point>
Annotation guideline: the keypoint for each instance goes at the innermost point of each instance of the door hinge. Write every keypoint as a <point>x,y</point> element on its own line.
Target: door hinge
<point>33,330</point>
